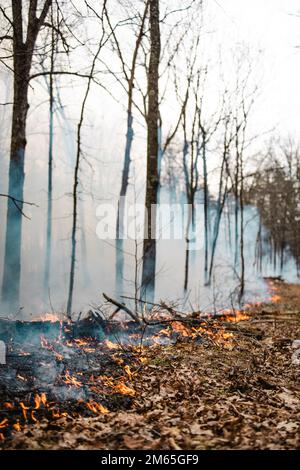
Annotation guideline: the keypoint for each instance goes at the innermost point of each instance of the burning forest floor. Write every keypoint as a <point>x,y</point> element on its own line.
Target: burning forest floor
<point>226,383</point>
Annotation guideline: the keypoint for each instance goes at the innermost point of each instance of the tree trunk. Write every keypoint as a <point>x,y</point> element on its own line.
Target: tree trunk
<point>237,208</point>
<point>241,201</point>
<point>12,256</point>
<point>188,198</point>
<point>152,179</point>
<point>126,169</point>
<point>127,158</point>
<point>50,167</point>
<point>76,182</point>
<point>22,61</point>
<point>122,198</point>
<point>220,206</point>
<point>206,210</point>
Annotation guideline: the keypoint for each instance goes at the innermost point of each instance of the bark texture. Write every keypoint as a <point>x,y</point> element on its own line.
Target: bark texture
<point>23,50</point>
<point>152,179</point>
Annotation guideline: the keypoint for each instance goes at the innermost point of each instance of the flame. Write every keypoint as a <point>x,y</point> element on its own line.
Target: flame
<point>142,359</point>
<point>49,317</point>
<point>275,298</point>
<point>81,343</point>
<point>24,410</point>
<point>3,423</point>
<point>108,381</point>
<point>164,332</point>
<point>214,330</point>
<point>110,345</point>
<point>97,408</point>
<point>180,328</point>
<point>69,380</point>
<point>39,400</point>
<point>218,335</point>
<point>124,389</point>
<point>128,372</point>
<point>119,387</point>
<point>8,406</point>
<point>57,414</point>
<point>17,427</point>
<point>45,343</point>
<point>235,316</point>
<point>118,360</point>
<point>223,337</point>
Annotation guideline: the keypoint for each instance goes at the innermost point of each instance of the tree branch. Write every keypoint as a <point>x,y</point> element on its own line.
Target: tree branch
<point>18,203</point>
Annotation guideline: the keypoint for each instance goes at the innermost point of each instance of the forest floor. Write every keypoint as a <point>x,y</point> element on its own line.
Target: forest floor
<point>202,395</point>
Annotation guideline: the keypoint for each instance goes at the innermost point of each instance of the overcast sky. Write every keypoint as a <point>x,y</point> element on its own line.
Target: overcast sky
<point>269,25</point>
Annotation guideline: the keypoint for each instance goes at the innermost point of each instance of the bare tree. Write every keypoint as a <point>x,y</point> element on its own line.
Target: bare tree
<point>129,72</point>
<point>76,177</point>
<point>152,178</point>
<point>23,47</point>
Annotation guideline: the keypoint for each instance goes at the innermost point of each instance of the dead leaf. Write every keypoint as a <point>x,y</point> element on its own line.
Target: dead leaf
<point>288,426</point>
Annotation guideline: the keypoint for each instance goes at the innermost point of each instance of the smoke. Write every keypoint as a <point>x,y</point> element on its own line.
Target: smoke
<point>98,256</point>
<point>100,179</point>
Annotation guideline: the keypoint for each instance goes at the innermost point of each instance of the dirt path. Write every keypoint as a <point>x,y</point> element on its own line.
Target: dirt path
<point>203,396</point>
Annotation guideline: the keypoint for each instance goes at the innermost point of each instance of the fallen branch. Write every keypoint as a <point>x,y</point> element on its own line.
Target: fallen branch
<point>122,307</point>
<point>161,305</point>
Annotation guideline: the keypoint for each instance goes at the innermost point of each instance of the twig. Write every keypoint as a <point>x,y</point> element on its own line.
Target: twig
<point>161,305</point>
<point>122,307</point>
<point>17,202</point>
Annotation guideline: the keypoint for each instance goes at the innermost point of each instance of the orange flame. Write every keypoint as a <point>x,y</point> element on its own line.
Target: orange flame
<point>110,345</point>
<point>24,410</point>
<point>50,317</point>
<point>124,389</point>
<point>3,423</point>
<point>8,406</point>
<point>57,414</point>
<point>164,332</point>
<point>69,380</point>
<point>17,427</point>
<point>180,328</point>
<point>118,360</point>
<point>39,400</point>
<point>97,408</point>
<point>128,372</point>
<point>81,343</point>
<point>235,316</point>
<point>45,343</point>
<point>275,298</point>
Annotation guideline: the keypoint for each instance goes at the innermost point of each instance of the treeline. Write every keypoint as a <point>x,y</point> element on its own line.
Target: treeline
<point>275,190</point>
